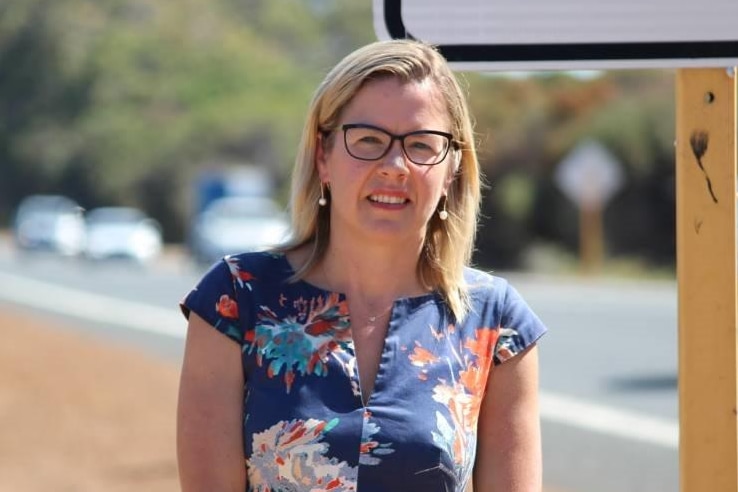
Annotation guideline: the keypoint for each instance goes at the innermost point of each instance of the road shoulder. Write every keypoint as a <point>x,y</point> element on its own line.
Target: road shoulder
<point>81,414</point>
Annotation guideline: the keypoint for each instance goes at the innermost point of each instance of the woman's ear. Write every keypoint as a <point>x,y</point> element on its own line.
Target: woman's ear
<point>453,169</point>
<point>320,158</point>
<point>456,156</point>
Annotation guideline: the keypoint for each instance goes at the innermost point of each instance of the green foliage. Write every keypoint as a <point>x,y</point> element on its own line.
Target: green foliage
<point>122,90</point>
<point>526,126</point>
<point>123,101</point>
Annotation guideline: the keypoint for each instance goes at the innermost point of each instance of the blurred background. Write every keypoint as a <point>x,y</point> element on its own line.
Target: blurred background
<point>141,139</point>
<point>149,104</point>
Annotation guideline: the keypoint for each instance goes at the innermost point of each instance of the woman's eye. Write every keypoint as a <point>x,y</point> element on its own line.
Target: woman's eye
<point>370,140</point>
<point>421,145</point>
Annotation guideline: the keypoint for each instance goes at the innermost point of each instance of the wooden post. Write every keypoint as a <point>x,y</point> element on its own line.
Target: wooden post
<point>591,239</point>
<point>706,271</point>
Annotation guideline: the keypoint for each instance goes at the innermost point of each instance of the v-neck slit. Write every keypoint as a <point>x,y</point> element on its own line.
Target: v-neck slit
<point>366,399</point>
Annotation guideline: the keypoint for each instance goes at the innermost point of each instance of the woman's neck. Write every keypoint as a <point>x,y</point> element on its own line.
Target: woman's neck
<point>375,273</point>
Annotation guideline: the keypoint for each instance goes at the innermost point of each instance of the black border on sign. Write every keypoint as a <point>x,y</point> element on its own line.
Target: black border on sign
<point>564,52</point>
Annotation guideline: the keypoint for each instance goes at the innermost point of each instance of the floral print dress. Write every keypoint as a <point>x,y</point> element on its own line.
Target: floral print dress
<point>305,425</point>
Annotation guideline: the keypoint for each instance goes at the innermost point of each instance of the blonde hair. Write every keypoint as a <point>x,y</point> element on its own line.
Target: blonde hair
<point>448,244</point>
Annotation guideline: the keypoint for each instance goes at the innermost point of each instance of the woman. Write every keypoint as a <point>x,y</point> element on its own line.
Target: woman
<point>368,355</point>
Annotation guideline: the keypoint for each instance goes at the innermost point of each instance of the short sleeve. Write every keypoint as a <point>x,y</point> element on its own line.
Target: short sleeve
<point>214,299</point>
<point>519,327</point>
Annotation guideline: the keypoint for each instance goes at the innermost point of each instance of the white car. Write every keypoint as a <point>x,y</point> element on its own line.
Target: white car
<point>237,224</point>
<point>52,223</point>
<point>122,232</point>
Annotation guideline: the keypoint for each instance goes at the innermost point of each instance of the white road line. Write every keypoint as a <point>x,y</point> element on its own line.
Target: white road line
<point>143,317</point>
<point>607,420</point>
<point>92,307</point>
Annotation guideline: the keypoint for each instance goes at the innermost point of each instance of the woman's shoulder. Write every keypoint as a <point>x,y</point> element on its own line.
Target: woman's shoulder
<point>495,300</point>
<point>483,284</point>
<point>245,269</point>
<point>260,262</point>
<point>263,267</point>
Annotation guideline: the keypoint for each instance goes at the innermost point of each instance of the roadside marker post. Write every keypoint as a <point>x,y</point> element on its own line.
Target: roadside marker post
<point>701,42</point>
<point>706,269</point>
<point>590,176</point>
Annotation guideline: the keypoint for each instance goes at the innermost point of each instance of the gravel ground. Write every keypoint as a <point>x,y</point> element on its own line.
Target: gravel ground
<point>80,415</point>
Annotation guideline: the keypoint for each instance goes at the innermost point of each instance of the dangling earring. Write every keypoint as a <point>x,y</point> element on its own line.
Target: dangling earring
<point>322,201</point>
<point>443,215</point>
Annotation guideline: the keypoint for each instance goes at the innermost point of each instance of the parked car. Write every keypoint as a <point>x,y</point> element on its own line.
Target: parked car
<point>122,232</point>
<point>52,223</point>
<point>236,224</point>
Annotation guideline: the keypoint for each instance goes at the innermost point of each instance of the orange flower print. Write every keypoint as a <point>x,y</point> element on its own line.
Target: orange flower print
<point>474,376</point>
<point>242,277</point>
<point>454,436</point>
<point>293,455</point>
<point>245,276</point>
<point>483,345</point>
<point>227,307</point>
<point>421,357</point>
<point>473,380</point>
<point>371,452</point>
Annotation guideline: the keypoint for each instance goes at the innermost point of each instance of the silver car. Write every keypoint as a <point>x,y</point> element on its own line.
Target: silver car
<point>237,224</point>
<point>122,232</point>
<point>49,223</point>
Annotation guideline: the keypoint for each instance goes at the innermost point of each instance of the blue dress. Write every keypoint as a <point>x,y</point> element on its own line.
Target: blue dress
<point>305,426</point>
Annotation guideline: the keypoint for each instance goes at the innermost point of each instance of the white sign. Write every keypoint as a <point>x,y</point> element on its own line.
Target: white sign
<point>589,175</point>
<point>567,34</point>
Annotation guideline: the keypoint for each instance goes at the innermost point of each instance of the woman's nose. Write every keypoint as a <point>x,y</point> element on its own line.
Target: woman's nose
<point>395,161</point>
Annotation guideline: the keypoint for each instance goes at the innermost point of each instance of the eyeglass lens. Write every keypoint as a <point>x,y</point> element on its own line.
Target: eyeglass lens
<point>369,143</point>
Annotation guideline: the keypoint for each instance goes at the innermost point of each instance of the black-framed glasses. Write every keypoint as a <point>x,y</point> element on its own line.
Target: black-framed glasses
<point>370,143</point>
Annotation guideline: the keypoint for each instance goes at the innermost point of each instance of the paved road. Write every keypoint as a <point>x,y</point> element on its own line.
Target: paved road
<point>611,344</point>
<point>608,364</point>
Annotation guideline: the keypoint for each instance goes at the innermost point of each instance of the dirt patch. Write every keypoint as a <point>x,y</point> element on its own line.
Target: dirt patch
<point>81,415</point>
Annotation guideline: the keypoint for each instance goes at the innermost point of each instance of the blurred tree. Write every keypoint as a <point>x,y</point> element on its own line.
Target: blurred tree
<point>133,89</point>
<point>123,101</point>
<point>527,126</point>
<point>39,100</point>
